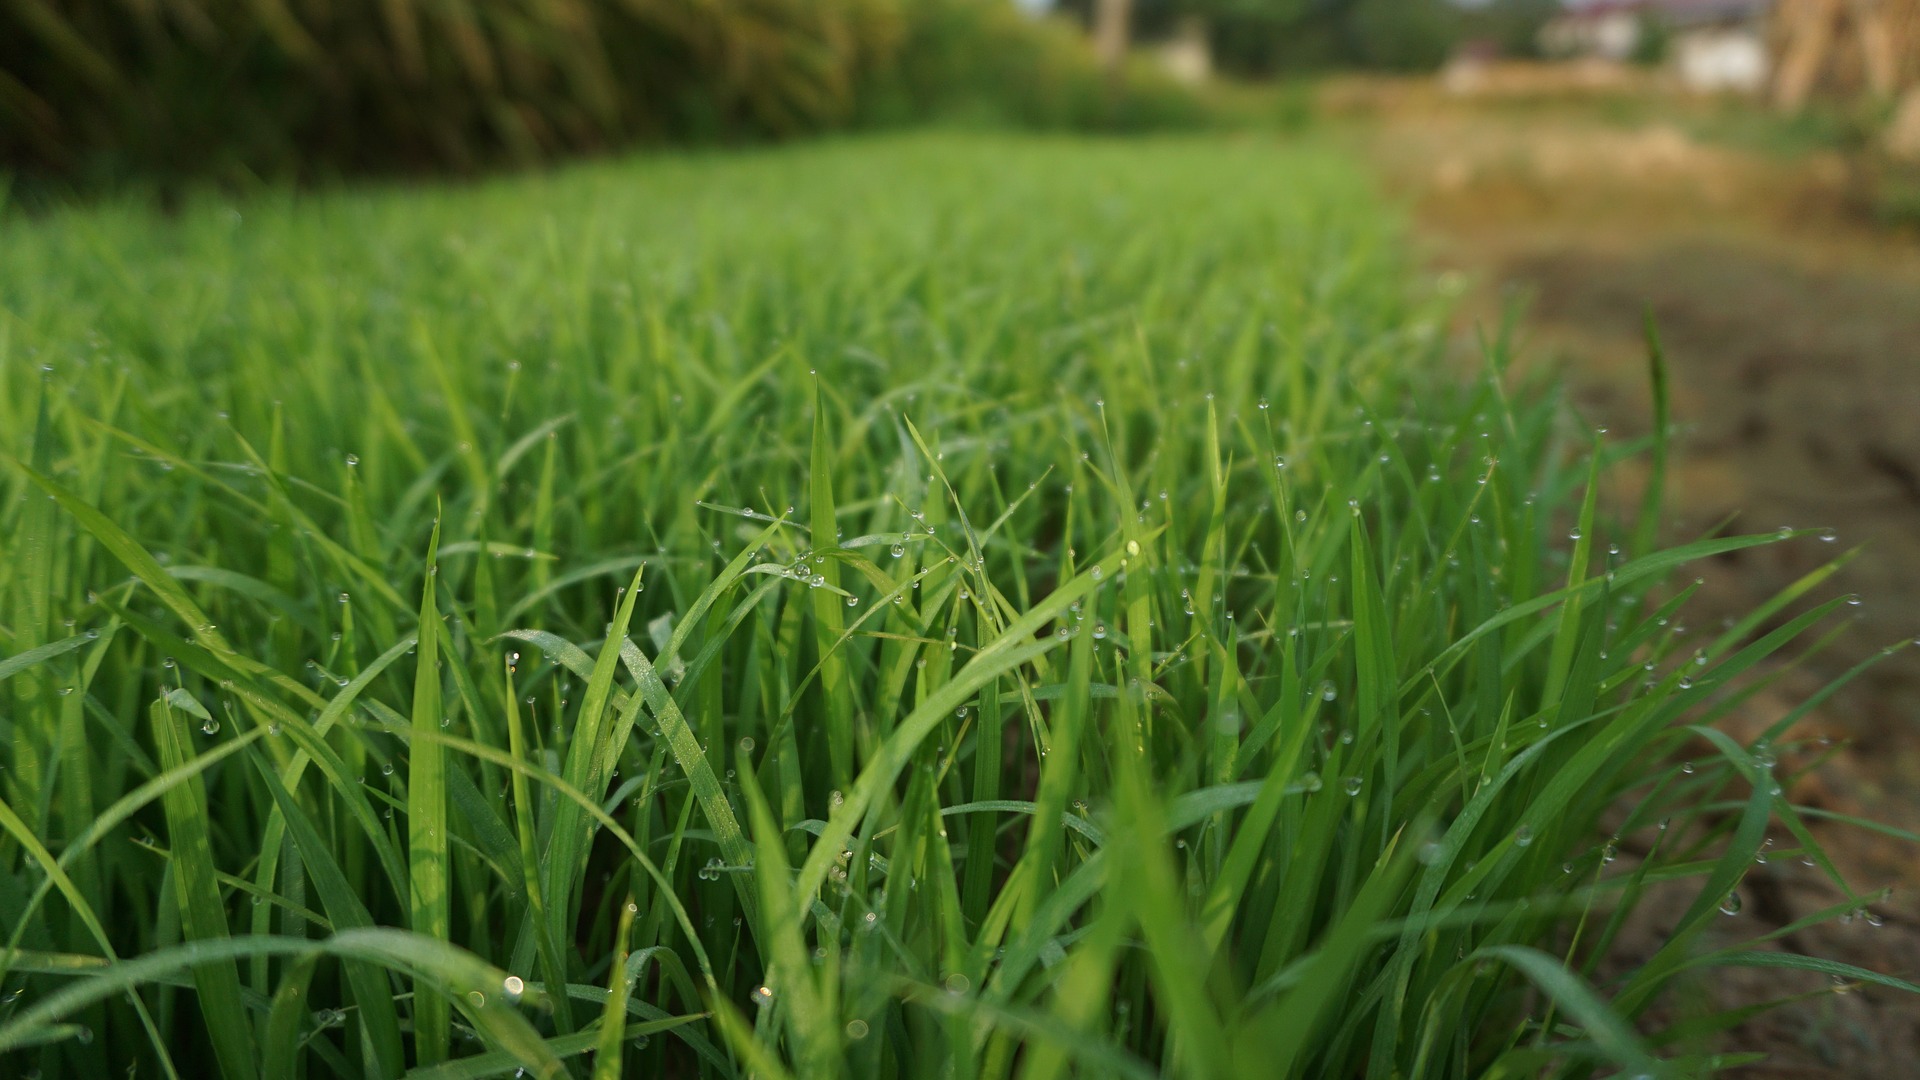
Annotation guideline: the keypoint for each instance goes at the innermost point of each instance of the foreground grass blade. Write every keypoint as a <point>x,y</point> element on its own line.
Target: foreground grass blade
<point>429,885</point>
<point>203,914</point>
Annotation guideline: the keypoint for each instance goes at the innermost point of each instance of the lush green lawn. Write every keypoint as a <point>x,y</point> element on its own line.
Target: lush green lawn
<point>944,606</point>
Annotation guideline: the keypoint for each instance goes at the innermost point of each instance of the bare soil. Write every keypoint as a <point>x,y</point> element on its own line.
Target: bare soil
<point>1792,331</point>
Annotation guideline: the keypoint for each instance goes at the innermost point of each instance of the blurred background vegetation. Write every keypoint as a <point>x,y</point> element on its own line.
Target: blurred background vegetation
<point>103,92</point>
<point>106,90</point>
<point>1277,38</point>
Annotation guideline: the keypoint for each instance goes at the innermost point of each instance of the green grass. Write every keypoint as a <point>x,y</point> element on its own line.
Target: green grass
<point>928,606</point>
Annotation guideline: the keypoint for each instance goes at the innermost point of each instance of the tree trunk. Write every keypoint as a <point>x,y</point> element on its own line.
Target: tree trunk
<point>1809,38</point>
<point>1880,55</point>
<point>1902,139</point>
<point>1110,32</point>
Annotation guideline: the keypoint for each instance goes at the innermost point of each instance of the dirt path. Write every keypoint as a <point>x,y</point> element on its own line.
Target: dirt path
<point>1793,335</point>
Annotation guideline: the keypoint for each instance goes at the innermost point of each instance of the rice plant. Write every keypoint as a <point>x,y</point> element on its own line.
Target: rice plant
<point>963,606</point>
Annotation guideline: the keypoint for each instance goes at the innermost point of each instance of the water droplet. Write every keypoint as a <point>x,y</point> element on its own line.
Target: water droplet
<point>1327,692</point>
<point>1522,836</point>
<point>1730,904</point>
<point>514,986</point>
<point>352,460</point>
<point>763,995</point>
<point>1352,784</point>
<point>1311,782</point>
<point>856,1030</point>
<point>899,550</point>
<point>210,726</point>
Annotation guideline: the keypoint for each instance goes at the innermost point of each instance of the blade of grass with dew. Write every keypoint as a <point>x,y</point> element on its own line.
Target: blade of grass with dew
<point>552,967</point>
<point>792,989</point>
<point>429,879</point>
<point>1647,527</point>
<point>828,611</point>
<point>612,1034</point>
<point>203,914</point>
<point>346,911</point>
<point>569,835</point>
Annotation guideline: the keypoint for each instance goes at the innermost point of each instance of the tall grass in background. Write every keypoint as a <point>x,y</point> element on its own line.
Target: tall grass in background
<point>891,608</point>
<point>106,91</point>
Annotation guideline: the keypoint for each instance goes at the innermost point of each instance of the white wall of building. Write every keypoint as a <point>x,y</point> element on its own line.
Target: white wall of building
<point>1721,60</point>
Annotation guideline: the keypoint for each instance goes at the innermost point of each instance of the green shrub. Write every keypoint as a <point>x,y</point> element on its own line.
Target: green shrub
<point>984,62</point>
<point>1655,42</point>
<point>1404,35</point>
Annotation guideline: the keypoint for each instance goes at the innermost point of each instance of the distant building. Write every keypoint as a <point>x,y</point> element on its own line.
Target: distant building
<point>1604,30</point>
<point>1187,55</point>
<point>1721,59</point>
<point>1719,45</point>
<point>1712,45</point>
